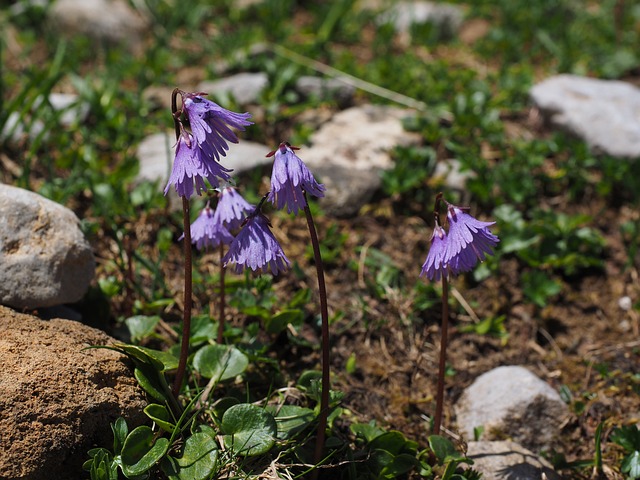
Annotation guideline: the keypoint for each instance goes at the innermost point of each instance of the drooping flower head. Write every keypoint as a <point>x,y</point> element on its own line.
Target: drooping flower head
<point>255,247</point>
<point>191,166</point>
<point>290,177</point>
<point>435,265</point>
<point>206,232</point>
<point>210,123</point>
<point>469,240</point>
<point>232,208</point>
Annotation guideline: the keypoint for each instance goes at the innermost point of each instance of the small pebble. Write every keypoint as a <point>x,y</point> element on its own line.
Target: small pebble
<point>625,303</point>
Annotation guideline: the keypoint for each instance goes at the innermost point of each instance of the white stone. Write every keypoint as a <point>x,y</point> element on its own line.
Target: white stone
<point>604,113</point>
<point>446,17</point>
<point>105,20</point>
<point>72,109</point>
<point>326,89</point>
<point>360,138</point>
<point>351,150</point>
<point>506,460</point>
<point>245,87</point>
<point>45,259</point>
<point>512,403</point>
<point>155,155</point>
<point>68,105</point>
<point>452,175</point>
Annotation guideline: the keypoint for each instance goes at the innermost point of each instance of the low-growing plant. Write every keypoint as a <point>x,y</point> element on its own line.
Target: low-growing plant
<point>628,437</point>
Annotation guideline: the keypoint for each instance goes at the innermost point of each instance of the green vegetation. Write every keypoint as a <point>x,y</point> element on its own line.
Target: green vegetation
<point>545,190</point>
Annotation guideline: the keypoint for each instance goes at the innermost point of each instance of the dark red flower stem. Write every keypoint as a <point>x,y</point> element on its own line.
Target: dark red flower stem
<point>442,364</point>
<point>223,269</point>
<point>324,313</point>
<point>186,318</point>
<point>443,356</point>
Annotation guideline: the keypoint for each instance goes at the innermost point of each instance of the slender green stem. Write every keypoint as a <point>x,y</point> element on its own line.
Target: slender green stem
<point>223,269</point>
<point>443,356</point>
<point>324,312</point>
<point>186,318</point>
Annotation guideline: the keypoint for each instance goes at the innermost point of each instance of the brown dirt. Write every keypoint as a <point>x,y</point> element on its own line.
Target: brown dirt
<point>56,399</point>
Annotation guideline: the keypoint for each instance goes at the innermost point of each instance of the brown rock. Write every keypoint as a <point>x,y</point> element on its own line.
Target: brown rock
<point>56,399</point>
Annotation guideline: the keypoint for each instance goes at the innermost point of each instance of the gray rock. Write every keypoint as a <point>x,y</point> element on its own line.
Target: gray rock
<point>15,128</point>
<point>27,7</point>
<point>326,89</point>
<point>73,111</point>
<point>508,461</point>
<point>358,141</point>
<point>45,259</point>
<point>604,113</point>
<point>452,175</point>
<point>246,156</point>
<point>68,105</point>
<point>155,156</point>
<point>446,18</point>
<point>112,21</point>
<point>347,189</point>
<point>245,88</point>
<point>511,403</point>
<point>57,398</point>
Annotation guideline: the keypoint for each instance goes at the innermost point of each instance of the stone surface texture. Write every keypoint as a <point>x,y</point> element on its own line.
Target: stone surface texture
<point>326,89</point>
<point>56,399</point>
<point>113,21</point>
<point>505,460</point>
<point>604,113</point>
<point>350,151</point>
<point>244,87</point>
<point>511,403</point>
<point>68,105</point>
<point>45,259</point>
<point>446,18</point>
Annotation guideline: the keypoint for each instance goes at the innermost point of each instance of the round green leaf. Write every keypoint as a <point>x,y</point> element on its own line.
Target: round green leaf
<point>249,429</point>
<point>199,458</point>
<point>140,453</point>
<point>161,416</point>
<point>220,362</point>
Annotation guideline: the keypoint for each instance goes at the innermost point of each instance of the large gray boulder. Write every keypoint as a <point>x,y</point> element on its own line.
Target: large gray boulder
<point>511,403</point>
<point>45,259</point>
<point>57,398</point>
<point>604,113</point>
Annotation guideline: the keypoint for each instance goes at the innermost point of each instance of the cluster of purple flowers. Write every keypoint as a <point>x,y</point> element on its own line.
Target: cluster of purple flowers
<point>255,246</point>
<point>198,153</point>
<point>467,242</point>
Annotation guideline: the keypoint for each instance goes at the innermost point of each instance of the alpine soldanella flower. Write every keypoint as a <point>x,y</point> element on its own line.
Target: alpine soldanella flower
<point>290,178</point>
